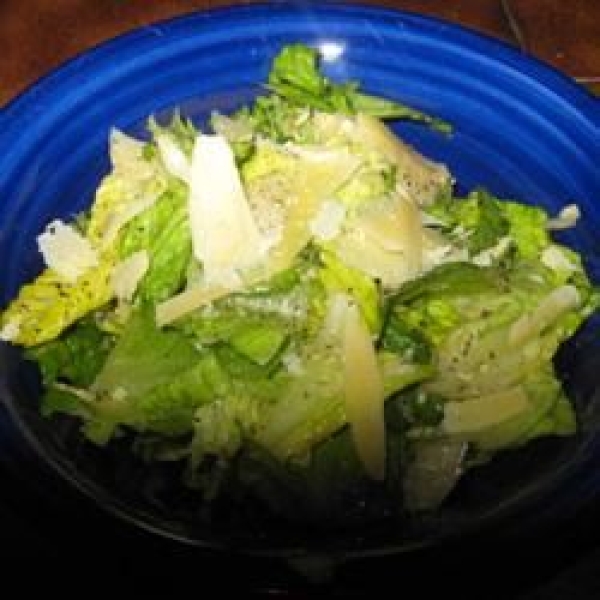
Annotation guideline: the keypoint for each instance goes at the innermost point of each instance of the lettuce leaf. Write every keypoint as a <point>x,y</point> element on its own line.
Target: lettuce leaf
<point>44,308</point>
<point>75,357</point>
<point>144,356</point>
<point>338,277</point>
<point>163,231</point>
<point>295,76</point>
<point>478,219</point>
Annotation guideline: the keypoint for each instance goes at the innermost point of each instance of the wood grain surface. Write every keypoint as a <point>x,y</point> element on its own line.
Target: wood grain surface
<point>37,35</point>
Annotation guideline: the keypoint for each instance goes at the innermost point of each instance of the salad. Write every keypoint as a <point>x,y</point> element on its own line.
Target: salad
<point>294,307</point>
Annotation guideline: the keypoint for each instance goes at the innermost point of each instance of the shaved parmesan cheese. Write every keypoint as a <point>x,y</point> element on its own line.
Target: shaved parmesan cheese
<point>555,304</point>
<point>418,177</point>
<point>127,159</point>
<point>316,154</point>
<point>127,275</point>
<point>81,393</point>
<point>174,159</point>
<point>438,250</point>
<point>309,186</point>
<point>555,259</point>
<point>396,226</point>
<point>566,218</point>
<point>225,236</point>
<point>363,392</point>
<point>488,256</point>
<point>328,221</point>
<point>177,306</point>
<point>10,330</point>
<point>385,242</point>
<point>66,251</point>
<point>469,416</point>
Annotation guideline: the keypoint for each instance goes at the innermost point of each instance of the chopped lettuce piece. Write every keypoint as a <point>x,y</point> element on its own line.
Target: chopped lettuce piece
<point>477,220</point>
<point>405,340</point>
<point>434,470</point>
<point>527,227</point>
<point>480,221</point>
<point>155,380</point>
<point>221,427</point>
<point>133,185</point>
<point>337,277</point>
<point>295,76</point>
<point>144,357</point>
<point>76,357</point>
<point>331,488</point>
<point>170,406</point>
<point>58,400</point>
<point>260,343</point>
<point>163,232</point>
<point>45,308</point>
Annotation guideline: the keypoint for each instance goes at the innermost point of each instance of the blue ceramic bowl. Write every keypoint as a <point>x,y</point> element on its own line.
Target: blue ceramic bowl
<point>520,129</point>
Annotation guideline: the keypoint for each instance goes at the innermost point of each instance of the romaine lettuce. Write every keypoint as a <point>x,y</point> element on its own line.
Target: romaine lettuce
<point>296,306</point>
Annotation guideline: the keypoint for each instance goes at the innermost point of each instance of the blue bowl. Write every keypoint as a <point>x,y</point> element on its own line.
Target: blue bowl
<point>521,129</point>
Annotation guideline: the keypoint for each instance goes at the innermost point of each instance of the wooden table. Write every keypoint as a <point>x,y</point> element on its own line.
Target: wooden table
<point>37,35</point>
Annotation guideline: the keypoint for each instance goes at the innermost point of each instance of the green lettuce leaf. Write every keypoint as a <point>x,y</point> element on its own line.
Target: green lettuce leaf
<point>527,228</point>
<point>180,130</point>
<point>44,308</point>
<point>75,358</point>
<point>338,277</point>
<point>163,231</point>
<point>478,219</point>
<point>296,77</point>
<point>170,407</point>
<point>144,357</point>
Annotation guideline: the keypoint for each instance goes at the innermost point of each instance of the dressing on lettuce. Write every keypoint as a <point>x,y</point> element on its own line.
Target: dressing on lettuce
<point>294,305</point>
